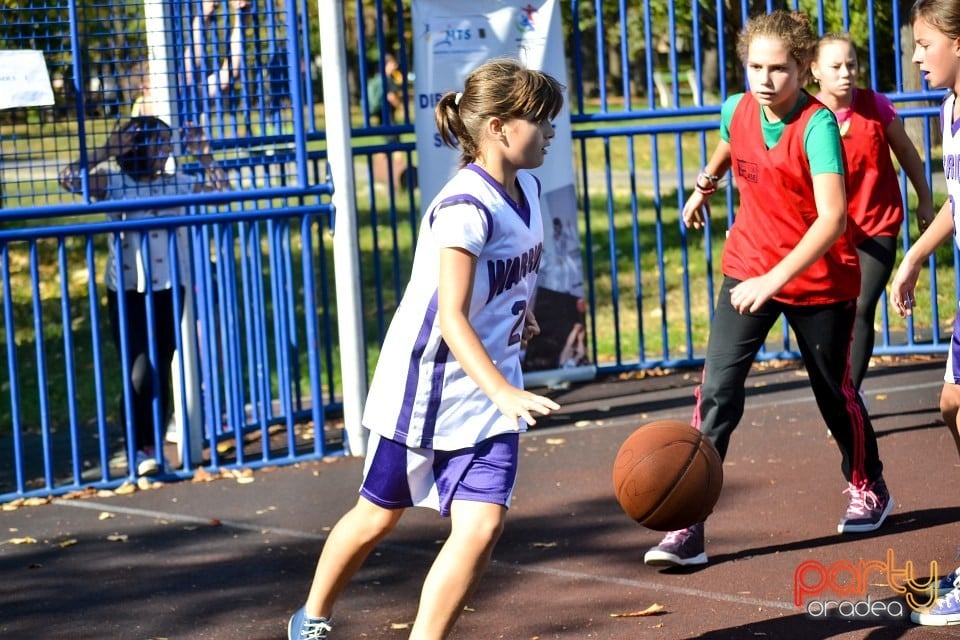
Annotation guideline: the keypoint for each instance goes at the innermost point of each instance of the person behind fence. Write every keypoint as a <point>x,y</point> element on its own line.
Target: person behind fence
<point>224,75</point>
<point>869,129</point>
<point>445,432</point>
<point>786,254</point>
<point>384,95</point>
<point>141,148</point>
<point>936,32</point>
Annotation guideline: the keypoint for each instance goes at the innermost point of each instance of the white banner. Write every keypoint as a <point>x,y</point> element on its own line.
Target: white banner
<point>24,80</point>
<point>452,38</point>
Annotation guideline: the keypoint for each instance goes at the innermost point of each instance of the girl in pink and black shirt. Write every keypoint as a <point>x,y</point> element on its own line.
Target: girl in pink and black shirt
<point>869,130</point>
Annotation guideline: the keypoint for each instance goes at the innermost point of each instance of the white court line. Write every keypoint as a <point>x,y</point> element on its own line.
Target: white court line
<point>516,568</point>
<point>498,564</point>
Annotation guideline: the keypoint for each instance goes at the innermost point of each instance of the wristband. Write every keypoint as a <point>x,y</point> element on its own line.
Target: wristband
<point>711,183</point>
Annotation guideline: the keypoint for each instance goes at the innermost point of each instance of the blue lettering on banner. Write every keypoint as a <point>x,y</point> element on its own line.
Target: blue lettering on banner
<point>428,101</point>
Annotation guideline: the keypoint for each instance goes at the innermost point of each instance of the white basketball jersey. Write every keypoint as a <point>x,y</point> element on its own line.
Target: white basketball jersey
<point>951,159</point>
<point>420,395</point>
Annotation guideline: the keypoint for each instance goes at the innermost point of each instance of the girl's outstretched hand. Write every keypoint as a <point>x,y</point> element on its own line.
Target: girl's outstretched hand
<point>516,403</point>
<point>902,289</point>
<point>695,210</point>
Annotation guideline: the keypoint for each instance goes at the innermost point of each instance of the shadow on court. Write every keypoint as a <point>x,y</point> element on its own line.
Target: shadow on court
<point>230,559</point>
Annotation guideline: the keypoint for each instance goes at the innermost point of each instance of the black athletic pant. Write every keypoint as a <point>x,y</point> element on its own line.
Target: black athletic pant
<point>877,256</point>
<point>146,382</point>
<point>823,336</point>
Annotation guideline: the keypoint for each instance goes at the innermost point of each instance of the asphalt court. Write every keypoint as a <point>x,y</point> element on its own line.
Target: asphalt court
<point>233,558</point>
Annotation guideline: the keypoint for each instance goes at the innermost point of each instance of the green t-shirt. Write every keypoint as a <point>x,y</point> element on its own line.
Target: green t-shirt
<point>821,140</point>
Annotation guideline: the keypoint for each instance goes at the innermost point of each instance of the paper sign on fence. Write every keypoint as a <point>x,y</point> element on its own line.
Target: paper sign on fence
<point>24,80</point>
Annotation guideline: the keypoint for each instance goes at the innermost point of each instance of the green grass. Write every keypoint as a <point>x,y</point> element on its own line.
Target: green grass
<point>639,309</point>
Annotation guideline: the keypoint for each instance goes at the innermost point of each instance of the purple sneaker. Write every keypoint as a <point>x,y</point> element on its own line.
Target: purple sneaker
<point>948,582</point>
<point>301,627</point>
<point>679,548</point>
<point>868,508</point>
<point>945,611</point>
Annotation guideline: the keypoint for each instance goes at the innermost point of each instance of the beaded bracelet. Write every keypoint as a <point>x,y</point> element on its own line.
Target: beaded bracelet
<point>711,187</point>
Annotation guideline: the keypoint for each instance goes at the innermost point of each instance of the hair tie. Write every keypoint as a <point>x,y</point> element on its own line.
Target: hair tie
<point>456,98</point>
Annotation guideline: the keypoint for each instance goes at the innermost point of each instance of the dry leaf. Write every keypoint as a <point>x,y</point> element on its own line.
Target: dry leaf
<point>544,545</point>
<point>105,515</point>
<point>245,479</point>
<point>25,540</point>
<point>397,626</point>
<point>126,488</point>
<point>36,502</point>
<point>652,610</point>
<point>202,475</point>
<point>556,441</point>
<point>117,537</point>
<point>67,543</point>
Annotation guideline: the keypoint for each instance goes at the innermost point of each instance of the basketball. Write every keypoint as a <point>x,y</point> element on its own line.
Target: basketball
<point>667,476</point>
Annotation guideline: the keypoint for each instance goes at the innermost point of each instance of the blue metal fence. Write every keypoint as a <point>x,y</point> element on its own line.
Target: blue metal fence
<point>645,83</point>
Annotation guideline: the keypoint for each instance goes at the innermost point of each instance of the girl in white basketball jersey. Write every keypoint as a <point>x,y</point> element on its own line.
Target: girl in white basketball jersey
<point>936,31</point>
<point>446,404</point>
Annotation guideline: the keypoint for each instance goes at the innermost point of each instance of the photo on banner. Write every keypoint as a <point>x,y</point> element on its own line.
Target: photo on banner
<point>452,38</point>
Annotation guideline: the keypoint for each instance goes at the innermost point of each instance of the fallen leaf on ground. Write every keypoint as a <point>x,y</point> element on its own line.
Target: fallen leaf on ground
<point>67,543</point>
<point>397,626</point>
<point>117,537</point>
<point>24,540</point>
<point>556,441</point>
<point>652,610</point>
<point>202,475</point>
<point>544,545</point>
<point>126,488</point>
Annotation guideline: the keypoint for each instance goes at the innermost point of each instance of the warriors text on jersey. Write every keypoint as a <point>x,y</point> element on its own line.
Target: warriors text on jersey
<point>420,394</point>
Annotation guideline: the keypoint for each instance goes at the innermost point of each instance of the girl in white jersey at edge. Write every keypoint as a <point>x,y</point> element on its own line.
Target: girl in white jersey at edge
<point>446,403</point>
<point>936,31</point>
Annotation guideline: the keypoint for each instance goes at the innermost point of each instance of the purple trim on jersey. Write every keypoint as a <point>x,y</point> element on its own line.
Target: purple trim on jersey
<point>522,209</point>
<point>413,368</point>
<point>954,124</point>
<point>436,394</point>
<point>539,186</point>
<point>954,360</point>
<point>465,199</point>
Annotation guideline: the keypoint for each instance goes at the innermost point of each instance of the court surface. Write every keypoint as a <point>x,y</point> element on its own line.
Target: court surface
<point>228,559</point>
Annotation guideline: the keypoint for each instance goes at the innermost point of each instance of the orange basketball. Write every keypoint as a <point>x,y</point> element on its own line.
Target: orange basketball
<point>667,476</point>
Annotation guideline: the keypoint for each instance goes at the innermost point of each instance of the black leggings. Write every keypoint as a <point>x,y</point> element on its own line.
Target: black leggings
<point>141,373</point>
<point>823,336</point>
<point>877,256</point>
